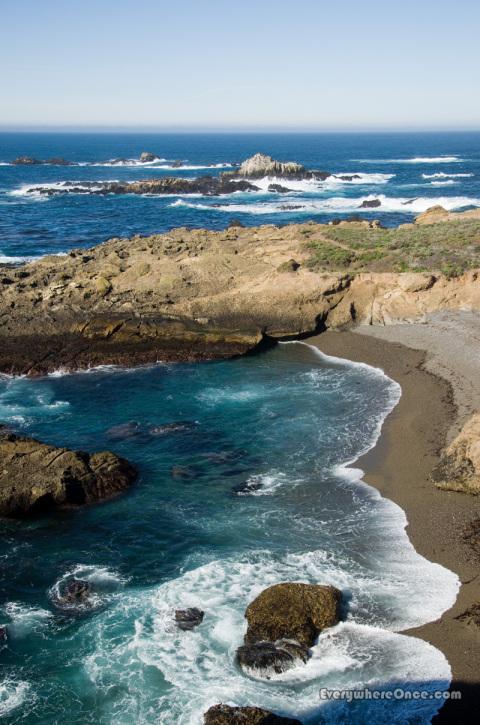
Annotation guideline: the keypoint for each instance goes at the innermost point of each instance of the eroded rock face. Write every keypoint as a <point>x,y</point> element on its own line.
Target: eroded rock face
<point>227,715</point>
<point>459,467</point>
<point>292,611</point>
<point>260,165</point>
<point>36,478</point>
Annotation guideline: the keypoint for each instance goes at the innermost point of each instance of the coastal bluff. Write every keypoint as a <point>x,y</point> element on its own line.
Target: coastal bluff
<point>198,294</point>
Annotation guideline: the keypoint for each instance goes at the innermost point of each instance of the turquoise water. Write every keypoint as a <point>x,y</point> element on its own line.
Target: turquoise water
<point>407,173</point>
<point>289,421</point>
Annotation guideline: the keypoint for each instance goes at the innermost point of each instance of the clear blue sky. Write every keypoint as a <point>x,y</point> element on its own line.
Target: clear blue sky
<point>240,63</point>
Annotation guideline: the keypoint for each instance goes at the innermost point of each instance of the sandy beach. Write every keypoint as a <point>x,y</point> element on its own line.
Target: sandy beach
<point>437,366</point>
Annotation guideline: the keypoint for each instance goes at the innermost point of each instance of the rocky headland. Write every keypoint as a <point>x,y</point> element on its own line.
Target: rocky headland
<point>198,294</point>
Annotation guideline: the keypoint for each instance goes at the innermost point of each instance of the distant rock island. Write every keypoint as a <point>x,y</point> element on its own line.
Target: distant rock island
<point>258,166</point>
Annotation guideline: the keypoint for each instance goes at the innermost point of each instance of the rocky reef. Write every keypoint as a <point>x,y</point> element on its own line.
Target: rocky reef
<point>36,478</point>
<point>228,182</point>
<point>227,715</point>
<point>284,621</point>
<point>199,294</point>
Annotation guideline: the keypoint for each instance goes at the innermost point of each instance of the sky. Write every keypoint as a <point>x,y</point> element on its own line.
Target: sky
<point>240,64</point>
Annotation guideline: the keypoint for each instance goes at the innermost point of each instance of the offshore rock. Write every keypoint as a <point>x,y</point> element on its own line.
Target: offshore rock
<point>292,611</point>
<point>261,165</point>
<point>147,157</point>
<point>36,478</point>
<point>187,619</point>
<point>228,715</point>
<point>267,658</point>
<point>26,161</point>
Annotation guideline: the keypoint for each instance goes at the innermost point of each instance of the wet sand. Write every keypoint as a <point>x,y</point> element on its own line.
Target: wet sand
<point>439,389</point>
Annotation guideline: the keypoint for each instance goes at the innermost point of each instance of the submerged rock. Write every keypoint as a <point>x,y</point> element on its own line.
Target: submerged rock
<point>125,430</point>
<point>183,472</point>
<point>228,715</point>
<point>187,619</point>
<point>292,611</point>
<point>74,594</point>
<point>37,478</point>
<point>180,426</point>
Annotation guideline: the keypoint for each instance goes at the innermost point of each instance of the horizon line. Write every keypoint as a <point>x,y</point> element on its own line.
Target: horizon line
<point>107,128</point>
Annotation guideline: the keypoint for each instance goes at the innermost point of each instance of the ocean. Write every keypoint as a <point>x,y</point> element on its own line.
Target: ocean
<point>407,173</point>
<point>256,484</point>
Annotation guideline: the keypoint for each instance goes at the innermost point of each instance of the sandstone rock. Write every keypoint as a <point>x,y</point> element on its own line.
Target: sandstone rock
<point>228,715</point>
<point>459,467</point>
<point>292,611</point>
<point>432,216</point>
<point>36,478</point>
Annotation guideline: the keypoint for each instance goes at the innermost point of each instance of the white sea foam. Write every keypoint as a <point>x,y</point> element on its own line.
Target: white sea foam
<point>446,182</point>
<point>414,160</point>
<point>13,693</point>
<point>26,619</point>
<point>338,205</point>
<point>103,580</point>
<point>36,190</point>
<point>443,175</point>
<point>355,178</point>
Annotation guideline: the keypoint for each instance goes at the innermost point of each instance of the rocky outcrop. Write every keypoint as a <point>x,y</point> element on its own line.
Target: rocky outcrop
<point>228,715</point>
<point>147,157</point>
<point>437,214</point>
<point>283,623</point>
<point>36,478</point>
<point>261,165</point>
<point>26,161</point>
<point>459,467</point>
<point>173,185</point>
<point>292,611</point>
<point>198,294</point>
<point>187,619</point>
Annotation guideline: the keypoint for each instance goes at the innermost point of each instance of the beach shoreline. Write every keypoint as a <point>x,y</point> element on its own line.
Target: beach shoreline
<point>399,466</point>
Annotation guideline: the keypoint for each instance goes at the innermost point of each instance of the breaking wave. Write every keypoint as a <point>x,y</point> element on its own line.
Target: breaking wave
<point>339,205</point>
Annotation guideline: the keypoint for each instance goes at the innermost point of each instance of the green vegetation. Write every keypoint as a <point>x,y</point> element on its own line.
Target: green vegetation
<point>447,247</point>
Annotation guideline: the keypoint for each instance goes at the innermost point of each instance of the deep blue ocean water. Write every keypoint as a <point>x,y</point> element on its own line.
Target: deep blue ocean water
<point>256,486</point>
<point>406,172</point>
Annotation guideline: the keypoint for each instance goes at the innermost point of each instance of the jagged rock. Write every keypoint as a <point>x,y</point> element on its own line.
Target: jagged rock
<point>228,715</point>
<point>235,223</point>
<point>26,161</point>
<point>262,165</point>
<point>187,619</point>
<point>36,478</point>
<point>292,611</point>
<point>147,157</point>
<point>459,467</point>
<point>370,204</point>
